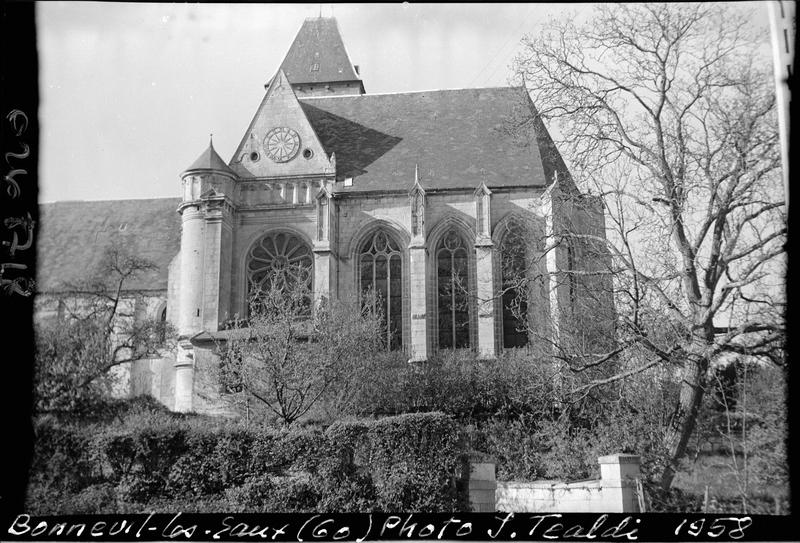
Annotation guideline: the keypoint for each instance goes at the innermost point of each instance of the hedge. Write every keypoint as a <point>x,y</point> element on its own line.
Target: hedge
<point>144,462</point>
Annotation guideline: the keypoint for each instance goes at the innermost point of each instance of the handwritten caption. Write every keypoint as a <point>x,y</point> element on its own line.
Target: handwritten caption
<point>375,526</point>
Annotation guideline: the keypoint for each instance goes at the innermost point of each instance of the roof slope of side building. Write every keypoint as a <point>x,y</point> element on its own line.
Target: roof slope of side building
<point>75,236</point>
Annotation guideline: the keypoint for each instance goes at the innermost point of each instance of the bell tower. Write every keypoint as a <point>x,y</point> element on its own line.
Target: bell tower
<point>317,63</point>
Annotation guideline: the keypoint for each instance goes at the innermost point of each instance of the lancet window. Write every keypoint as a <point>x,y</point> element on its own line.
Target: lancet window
<point>452,261</point>
<point>515,287</point>
<point>380,272</point>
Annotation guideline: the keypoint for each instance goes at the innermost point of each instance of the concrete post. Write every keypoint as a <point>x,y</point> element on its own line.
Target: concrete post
<point>482,485</point>
<point>618,474</point>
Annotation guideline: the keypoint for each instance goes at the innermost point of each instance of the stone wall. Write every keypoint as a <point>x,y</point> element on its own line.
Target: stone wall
<point>614,492</point>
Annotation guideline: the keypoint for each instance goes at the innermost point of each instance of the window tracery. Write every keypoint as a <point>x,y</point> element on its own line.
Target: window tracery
<point>380,272</point>
<point>452,261</point>
<point>280,263</point>
<point>513,268</point>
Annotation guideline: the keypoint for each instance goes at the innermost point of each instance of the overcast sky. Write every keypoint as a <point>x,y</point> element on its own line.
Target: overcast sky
<point>130,92</point>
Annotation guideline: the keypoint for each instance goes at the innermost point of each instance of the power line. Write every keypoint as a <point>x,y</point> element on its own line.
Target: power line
<point>511,38</point>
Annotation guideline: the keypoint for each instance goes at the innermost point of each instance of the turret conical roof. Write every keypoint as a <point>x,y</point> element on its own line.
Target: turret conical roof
<point>210,160</point>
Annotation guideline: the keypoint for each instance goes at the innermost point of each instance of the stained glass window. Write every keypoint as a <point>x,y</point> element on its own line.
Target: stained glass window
<point>282,262</point>
<point>380,268</point>
<point>514,286</point>
<point>452,283</point>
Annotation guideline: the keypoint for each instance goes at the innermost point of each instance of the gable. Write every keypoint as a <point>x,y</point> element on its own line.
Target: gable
<point>279,127</point>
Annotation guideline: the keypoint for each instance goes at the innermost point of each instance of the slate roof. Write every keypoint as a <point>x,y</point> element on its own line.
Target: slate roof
<point>74,236</point>
<point>318,43</point>
<point>210,160</point>
<point>458,137</point>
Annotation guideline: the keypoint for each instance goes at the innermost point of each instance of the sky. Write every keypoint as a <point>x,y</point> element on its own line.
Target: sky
<point>130,92</point>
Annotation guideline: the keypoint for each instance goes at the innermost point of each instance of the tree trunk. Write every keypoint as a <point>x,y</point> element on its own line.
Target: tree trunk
<point>683,420</point>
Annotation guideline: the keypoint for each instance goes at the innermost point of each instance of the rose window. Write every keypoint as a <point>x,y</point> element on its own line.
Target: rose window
<point>279,263</point>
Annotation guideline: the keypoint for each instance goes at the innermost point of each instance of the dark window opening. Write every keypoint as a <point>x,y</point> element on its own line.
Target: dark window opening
<point>452,294</point>
<point>514,277</point>
<point>380,269</point>
<point>162,330</point>
<point>571,276</point>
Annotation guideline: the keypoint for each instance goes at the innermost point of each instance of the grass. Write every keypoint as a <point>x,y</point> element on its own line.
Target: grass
<point>716,471</point>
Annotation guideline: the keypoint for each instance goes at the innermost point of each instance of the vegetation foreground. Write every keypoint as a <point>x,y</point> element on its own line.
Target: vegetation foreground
<point>403,446</point>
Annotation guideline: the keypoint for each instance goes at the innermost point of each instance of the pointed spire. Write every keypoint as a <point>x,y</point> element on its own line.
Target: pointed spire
<point>416,186</point>
<point>318,55</point>
<point>482,189</point>
<point>210,160</point>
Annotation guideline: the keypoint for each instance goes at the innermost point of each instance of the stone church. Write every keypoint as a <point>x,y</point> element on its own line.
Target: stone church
<point>399,192</point>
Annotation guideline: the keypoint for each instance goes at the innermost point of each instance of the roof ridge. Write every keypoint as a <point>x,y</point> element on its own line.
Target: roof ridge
<point>407,92</point>
<point>109,200</point>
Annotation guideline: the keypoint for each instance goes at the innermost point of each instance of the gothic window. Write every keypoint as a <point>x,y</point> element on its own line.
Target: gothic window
<point>515,288</point>
<point>452,259</point>
<point>280,263</point>
<point>380,272</point>
<point>571,276</point>
<point>322,219</point>
<point>162,330</point>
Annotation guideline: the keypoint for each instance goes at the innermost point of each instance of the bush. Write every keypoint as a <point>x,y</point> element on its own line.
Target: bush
<point>412,458</point>
<point>565,444</point>
<point>458,384</point>
<point>154,461</point>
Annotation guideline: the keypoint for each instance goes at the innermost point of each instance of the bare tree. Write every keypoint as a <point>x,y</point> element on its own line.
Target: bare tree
<point>288,358</point>
<point>98,331</point>
<point>668,113</point>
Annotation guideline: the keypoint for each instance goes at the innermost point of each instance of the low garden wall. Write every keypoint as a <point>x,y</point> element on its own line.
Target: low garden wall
<point>615,491</point>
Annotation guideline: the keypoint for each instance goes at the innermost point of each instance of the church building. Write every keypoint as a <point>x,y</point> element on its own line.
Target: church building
<point>399,193</point>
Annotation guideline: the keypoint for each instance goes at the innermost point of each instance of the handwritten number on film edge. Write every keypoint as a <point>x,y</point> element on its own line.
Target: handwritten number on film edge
<point>18,285</point>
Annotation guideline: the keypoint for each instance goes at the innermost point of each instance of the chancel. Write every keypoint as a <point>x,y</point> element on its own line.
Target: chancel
<point>404,194</point>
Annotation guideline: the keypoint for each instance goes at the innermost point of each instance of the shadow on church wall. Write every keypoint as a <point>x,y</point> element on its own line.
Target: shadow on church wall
<point>355,145</point>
